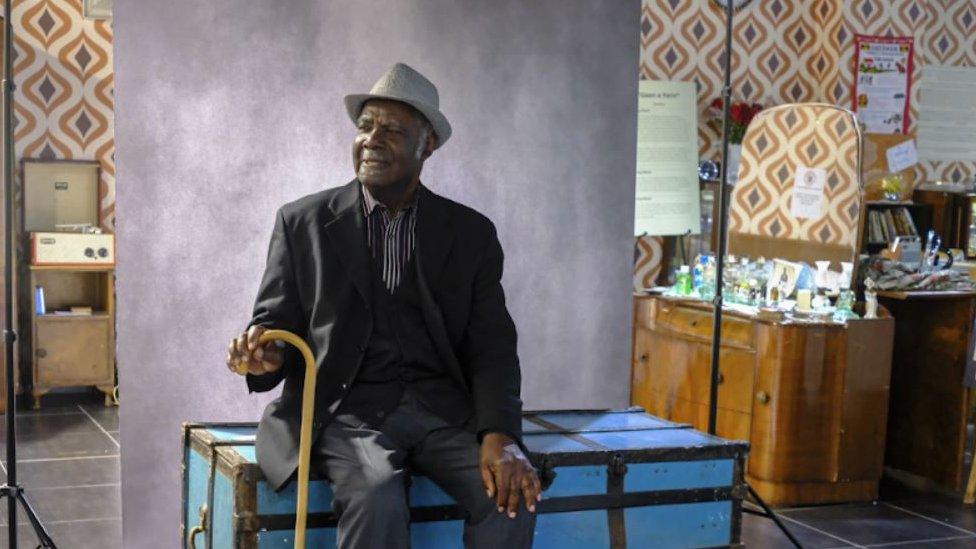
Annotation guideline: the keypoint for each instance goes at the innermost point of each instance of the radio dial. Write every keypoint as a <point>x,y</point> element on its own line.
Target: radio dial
<point>103,252</point>
<point>89,252</point>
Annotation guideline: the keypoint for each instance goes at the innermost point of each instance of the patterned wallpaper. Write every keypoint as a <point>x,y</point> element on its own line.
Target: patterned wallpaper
<point>64,77</point>
<point>789,51</point>
<point>777,142</point>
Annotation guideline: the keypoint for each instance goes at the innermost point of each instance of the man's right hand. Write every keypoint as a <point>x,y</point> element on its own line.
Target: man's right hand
<point>259,359</point>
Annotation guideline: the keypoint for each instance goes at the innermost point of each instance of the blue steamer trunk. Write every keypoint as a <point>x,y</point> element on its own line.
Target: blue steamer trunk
<point>612,479</point>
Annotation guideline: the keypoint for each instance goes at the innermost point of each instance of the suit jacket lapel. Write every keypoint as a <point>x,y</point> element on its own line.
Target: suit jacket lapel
<point>434,236</point>
<point>434,239</point>
<point>346,232</point>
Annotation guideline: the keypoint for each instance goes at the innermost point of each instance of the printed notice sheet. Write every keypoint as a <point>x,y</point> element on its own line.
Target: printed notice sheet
<point>947,114</point>
<point>882,82</point>
<point>808,193</point>
<point>668,199</point>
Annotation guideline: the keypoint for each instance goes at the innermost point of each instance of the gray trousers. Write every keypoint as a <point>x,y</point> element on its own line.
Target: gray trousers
<point>367,469</point>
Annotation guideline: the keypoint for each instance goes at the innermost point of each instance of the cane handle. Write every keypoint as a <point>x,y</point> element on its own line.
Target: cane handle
<point>305,432</point>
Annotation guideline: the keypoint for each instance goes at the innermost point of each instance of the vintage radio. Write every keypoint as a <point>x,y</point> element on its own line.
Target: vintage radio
<point>58,193</point>
<point>72,249</point>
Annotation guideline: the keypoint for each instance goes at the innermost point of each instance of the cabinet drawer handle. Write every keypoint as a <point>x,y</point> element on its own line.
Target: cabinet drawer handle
<point>762,397</point>
<point>721,377</point>
<point>41,353</point>
<point>643,358</point>
<point>693,323</point>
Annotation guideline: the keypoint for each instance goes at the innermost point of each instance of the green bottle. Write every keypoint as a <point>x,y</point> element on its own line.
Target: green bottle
<point>682,281</point>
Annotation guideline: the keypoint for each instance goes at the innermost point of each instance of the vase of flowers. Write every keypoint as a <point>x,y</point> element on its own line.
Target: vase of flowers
<point>740,115</point>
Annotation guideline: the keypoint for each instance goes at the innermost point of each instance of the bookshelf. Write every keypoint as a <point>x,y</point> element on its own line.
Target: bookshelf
<point>883,221</point>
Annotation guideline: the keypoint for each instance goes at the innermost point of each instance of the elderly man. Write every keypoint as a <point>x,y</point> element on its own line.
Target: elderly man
<point>398,292</point>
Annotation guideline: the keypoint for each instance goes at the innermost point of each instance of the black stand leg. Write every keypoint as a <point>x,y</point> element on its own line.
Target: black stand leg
<point>768,513</point>
<point>15,495</point>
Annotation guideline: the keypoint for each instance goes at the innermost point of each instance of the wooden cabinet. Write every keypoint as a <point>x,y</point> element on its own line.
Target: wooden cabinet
<point>930,403</point>
<point>810,398</point>
<point>73,349</point>
<point>952,215</point>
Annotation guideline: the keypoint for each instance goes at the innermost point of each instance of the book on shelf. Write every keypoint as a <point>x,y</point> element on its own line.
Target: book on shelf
<point>875,232</point>
<point>74,311</point>
<point>909,223</point>
<point>885,225</point>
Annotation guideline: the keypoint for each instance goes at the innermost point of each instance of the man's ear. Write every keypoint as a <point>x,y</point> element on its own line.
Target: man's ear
<point>429,146</point>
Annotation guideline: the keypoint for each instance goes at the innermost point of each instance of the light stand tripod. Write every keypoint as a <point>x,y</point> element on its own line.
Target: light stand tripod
<point>11,490</point>
<point>723,231</point>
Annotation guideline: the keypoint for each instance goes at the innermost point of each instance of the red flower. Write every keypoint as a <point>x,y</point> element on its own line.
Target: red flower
<point>740,115</point>
<point>735,112</point>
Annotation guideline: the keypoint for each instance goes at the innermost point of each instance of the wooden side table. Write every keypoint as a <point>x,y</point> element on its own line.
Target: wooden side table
<point>73,350</point>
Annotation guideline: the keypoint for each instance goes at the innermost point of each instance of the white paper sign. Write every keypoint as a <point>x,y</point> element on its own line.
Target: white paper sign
<point>667,191</point>
<point>808,186</point>
<point>902,156</point>
<point>947,114</point>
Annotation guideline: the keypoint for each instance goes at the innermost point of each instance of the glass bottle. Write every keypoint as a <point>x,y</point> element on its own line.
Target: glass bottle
<point>682,281</point>
<point>707,290</point>
<point>744,274</point>
<point>729,277</point>
<point>971,244</point>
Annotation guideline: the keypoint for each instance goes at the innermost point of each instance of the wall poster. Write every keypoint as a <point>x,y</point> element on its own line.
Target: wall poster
<point>882,83</point>
<point>667,191</point>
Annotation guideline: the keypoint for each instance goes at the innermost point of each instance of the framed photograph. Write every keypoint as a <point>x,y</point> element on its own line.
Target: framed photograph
<point>98,9</point>
<point>785,276</point>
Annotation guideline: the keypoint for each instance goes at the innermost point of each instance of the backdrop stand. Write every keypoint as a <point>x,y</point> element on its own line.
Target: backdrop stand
<point>11,490</point>
<point>723,232</point>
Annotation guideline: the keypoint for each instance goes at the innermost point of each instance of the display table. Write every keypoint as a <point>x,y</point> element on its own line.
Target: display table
<point>929,403</point>
<point>811,398</point>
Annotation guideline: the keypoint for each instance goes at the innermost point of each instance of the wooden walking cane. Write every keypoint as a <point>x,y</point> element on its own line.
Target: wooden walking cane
<point>305,433</point>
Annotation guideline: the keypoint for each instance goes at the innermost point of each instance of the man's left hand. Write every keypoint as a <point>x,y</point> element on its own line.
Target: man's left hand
<point>508,474</point>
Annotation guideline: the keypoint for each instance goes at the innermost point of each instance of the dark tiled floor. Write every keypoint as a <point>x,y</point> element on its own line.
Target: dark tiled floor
<point>903,518</point>
<point>69,463</point>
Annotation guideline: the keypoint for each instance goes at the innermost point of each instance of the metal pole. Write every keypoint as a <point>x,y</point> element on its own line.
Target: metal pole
<point>723,223</point>
<point>723,230</point>
<point>11,490</point>
<point>8,333</point>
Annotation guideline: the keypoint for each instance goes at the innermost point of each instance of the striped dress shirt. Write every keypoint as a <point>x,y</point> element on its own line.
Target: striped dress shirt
<point>390,238</point>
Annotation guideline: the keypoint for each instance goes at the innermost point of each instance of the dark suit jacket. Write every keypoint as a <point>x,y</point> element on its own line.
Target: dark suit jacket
<point>317,283</point>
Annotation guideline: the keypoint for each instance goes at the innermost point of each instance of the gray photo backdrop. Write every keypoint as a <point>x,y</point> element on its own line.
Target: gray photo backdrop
<point>227,109</point>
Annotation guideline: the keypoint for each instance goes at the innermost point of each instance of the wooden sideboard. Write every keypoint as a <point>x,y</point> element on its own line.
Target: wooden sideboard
<point>811,399</point>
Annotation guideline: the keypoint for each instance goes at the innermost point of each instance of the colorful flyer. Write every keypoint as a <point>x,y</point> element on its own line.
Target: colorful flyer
<point>882,82</point>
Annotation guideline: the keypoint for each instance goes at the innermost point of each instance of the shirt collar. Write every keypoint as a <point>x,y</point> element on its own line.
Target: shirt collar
<point>369,203</point>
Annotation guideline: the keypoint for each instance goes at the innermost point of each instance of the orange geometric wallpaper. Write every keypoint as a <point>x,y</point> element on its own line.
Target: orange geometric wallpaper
<point>788,51</point>
<point>779,140</point>
<point>63,104</point>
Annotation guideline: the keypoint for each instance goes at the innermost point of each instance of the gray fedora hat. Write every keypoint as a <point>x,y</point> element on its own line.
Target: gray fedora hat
<point>402,83</point>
